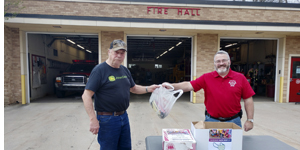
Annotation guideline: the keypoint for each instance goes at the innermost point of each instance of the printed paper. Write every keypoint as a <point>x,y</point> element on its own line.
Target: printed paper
<point>220,139</point>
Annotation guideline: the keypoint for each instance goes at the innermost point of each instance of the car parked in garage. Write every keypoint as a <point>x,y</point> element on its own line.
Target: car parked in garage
<point>74,78</point>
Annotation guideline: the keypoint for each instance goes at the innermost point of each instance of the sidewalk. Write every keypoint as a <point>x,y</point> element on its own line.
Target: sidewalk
<point>62,124</point>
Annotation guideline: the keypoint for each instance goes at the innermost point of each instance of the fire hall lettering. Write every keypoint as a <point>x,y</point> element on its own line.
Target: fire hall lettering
<point>180,11</point>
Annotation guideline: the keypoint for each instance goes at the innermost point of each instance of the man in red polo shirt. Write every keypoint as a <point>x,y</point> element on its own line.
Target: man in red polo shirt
<point>223,90</point>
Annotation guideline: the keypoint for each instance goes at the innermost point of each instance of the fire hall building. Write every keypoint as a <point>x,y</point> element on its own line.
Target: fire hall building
<point>168,41</point>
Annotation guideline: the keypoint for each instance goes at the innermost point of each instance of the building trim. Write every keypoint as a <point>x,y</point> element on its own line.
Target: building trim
<point>145,20</point>
<point>112,24</point>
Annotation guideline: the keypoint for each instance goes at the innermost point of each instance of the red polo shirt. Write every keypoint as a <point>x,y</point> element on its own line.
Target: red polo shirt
<point>223,95</point>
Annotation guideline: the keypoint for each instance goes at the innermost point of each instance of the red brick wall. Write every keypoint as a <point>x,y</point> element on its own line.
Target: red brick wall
<point>12,67</point>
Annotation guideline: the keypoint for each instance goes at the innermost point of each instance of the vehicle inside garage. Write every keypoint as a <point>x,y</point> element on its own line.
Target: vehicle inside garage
<point>52,60</point>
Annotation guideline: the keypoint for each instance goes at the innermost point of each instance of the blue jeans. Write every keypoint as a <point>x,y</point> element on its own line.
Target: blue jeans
<point>114,132</point>
<point>236,120</point>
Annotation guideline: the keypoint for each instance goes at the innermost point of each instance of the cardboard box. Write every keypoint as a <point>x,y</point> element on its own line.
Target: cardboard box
<point>178,139</point>
<point>217,135</point>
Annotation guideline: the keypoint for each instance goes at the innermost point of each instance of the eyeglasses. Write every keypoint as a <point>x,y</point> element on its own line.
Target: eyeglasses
<point>221,61</point>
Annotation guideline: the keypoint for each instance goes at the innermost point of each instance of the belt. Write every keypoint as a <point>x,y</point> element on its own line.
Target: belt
<point>111,113</point>
<point>225,119</point>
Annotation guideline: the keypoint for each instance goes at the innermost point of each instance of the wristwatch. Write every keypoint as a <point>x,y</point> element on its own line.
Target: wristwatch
<point>251,120</point>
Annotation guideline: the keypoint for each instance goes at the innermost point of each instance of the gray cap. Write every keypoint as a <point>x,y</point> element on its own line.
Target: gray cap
<point>117,45</point>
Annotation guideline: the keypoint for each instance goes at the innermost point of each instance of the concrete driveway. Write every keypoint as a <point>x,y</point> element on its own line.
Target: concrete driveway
<point>62,124</point>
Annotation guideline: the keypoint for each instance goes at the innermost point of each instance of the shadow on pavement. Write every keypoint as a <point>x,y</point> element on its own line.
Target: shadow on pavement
<point>72,98</point>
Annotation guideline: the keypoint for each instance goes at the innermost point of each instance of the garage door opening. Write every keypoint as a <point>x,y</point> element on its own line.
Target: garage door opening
<point>256,59</point>
<point>51,55</point>
<point>154,60</point>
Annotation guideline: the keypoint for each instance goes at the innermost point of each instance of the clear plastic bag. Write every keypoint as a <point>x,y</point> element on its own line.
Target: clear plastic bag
<point>162,100</point>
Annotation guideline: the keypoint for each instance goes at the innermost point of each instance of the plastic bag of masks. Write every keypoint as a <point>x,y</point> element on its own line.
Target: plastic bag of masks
<point>162,100</point>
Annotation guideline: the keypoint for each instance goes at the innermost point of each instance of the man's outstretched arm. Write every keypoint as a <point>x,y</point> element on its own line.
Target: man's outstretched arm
<point>186,86</point>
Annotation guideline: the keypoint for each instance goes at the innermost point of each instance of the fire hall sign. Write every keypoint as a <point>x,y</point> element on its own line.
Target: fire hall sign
<point>180,11</point>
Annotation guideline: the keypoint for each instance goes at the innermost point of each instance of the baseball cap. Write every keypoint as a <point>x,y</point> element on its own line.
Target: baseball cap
<point>117,45</point>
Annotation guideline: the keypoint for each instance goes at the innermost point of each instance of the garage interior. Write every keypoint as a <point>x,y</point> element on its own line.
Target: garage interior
<point>50,54</point>
<point>256,59</point>
<point>154,60</point>
<point>151,60</point>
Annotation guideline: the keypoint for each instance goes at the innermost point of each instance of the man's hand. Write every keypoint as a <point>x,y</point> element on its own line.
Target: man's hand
<point>166,85</point>
<point>248,126</point>
<point>151,88</point>
<point>138,89</point>
<point>94,126</point>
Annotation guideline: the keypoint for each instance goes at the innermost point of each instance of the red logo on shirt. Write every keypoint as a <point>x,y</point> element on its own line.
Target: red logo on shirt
<point>232,83</point>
